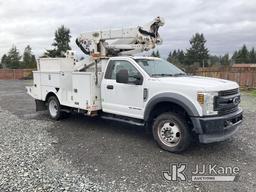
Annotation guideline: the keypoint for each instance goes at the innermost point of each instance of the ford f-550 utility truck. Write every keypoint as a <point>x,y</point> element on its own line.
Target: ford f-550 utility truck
<point>139,90</point>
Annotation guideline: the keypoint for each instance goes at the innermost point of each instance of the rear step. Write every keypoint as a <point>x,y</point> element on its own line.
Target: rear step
<point>132,121</point>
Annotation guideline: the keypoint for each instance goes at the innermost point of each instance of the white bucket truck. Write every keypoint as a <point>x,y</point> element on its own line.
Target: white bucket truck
<point>143,91</point>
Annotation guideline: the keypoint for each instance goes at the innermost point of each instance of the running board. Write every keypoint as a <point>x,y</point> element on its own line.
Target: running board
<point>129,121</point>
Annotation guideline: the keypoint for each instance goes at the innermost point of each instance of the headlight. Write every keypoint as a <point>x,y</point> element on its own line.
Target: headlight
<point>206,100</point>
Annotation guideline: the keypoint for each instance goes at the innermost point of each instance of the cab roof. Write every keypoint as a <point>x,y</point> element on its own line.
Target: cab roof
<point>135,57</point>
<point>146,57</point>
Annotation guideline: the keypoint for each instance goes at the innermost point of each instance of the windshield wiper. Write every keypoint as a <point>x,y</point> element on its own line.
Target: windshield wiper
<point>162,75</point>
<point>179,74</point>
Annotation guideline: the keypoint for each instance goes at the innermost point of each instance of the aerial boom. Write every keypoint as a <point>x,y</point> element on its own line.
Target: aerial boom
<point>125,41</point>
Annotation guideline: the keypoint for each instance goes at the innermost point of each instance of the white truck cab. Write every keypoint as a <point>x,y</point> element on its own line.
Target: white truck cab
<point>145,91</point>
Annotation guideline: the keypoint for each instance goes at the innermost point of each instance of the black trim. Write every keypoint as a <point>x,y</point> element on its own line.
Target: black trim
<point>123,119</point>
<point>227,102</point>
<point>40,105</point>
<point>229,92</point>
<point>173,98</point>
<point>145,94</point>
<point>109,70</point>
<point>214,129</point>
<point>110,87</point>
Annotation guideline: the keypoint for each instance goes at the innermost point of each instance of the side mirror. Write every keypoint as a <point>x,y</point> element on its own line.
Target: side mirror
<point>122,76</point>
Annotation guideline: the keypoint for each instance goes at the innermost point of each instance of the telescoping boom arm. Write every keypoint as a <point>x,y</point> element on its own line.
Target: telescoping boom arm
<point>125,41</point>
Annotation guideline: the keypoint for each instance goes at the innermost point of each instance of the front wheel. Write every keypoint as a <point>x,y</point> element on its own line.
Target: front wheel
<point>54,108</point>
<point>171,132</point>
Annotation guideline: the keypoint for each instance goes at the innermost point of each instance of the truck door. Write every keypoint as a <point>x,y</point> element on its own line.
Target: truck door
<point>122,98</point>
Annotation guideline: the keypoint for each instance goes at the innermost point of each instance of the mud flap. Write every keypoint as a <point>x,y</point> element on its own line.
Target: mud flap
<point>40,105</point>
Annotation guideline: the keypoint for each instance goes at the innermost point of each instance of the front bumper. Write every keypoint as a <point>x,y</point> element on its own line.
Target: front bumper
<point>220,128</point>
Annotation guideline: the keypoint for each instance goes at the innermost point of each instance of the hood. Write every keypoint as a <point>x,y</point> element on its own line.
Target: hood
<point>204,83</point>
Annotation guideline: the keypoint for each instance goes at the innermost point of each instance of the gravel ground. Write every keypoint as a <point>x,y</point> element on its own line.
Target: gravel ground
<point>89,154</point>
<point>28,163</point>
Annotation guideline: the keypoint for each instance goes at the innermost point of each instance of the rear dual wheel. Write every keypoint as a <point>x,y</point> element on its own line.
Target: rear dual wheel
<point>54,108</point>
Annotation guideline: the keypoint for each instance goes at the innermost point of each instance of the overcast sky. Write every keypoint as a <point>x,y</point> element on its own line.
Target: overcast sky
<point>226,24</point>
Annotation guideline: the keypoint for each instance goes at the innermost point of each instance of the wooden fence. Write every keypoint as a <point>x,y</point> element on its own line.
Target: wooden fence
<point>15,74</point>
<point>244,76</point>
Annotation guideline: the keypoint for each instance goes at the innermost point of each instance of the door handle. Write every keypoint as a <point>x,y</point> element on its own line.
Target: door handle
<point>110,87</point>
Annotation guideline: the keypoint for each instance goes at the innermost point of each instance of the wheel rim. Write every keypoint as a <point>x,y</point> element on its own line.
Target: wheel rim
<point>53,108</point>
<point>169,133</point>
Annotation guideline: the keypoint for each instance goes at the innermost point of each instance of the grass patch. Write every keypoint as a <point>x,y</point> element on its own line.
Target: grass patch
<point>253,92</point>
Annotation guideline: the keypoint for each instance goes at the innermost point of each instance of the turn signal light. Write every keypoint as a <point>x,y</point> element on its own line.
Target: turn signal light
<point>200,98</point>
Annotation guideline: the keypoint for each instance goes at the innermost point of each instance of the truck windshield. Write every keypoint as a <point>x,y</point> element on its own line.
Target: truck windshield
<point>159,68</point>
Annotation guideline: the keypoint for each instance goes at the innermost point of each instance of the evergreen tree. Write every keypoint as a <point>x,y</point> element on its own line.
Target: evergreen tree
<point>252,56</point>
<point>153,54</point>
<point>234,56</point>
<point>176,57</point>
<point>214,60</point>
<point>29,60</point>
<point>197,53</point>
<point>224,60</point>
<point>61,43</point>
<point>181,57</point>
<point>242,55</point>
<point>13,58</point>
<point>169,56</point>
<point>3,61</point>
<point>157,54</point>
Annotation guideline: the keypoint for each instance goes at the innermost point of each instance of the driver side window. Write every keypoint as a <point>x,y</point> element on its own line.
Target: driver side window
<point>115,66</point>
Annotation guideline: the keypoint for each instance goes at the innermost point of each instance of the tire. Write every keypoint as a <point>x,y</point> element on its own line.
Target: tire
<point>171,132</point>
<point>54,108</point>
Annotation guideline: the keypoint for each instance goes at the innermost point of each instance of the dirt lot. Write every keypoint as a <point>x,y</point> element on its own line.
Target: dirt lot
<point>90,154</point>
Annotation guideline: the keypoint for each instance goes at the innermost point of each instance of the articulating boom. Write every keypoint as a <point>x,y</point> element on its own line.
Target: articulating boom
<point>126,41</point>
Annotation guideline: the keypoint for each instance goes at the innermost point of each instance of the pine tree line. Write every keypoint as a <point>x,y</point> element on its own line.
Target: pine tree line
<point>199,55</point>
<point>13,59</point>
<point>244,55</point>
<point>155,54</point>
